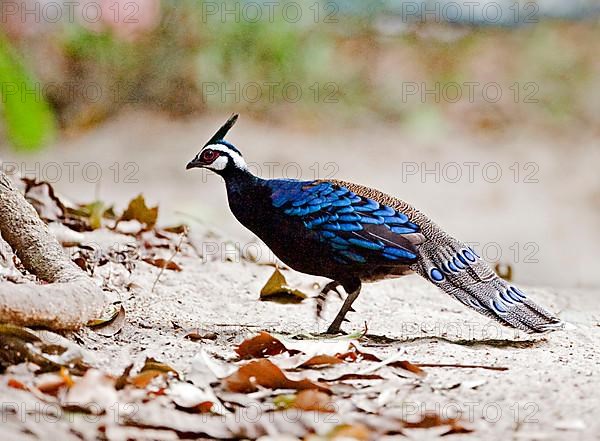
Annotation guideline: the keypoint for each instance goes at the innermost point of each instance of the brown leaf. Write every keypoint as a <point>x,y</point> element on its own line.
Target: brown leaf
<point>321,360</point>
<point>151,370</point>
<point>260,346</point>
<point>176,229</point>
<point>16,384</point>
<point>312,399</point>
<point>356,354</point>
<point>143,379</point>
<point>408,366</point>
<point>195,335</point>
<point>266,374</point>
<point>50,383</point>
<point>41,196</point>
<point>124,379</point>
<point>163,263</point>
<point>277,290</point>
<point>433,419</point>
<point>347,377</point>
<point>139,211</point>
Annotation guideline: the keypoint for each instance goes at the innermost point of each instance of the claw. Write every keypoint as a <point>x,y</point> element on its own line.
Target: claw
<point>351,309</point>
<point>322,297</point>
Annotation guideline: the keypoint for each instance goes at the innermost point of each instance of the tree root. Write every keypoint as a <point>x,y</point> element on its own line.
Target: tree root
<point>71,298</point>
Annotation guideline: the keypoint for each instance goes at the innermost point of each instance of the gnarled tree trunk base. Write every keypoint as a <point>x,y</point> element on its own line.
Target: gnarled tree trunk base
<point>71,298</point>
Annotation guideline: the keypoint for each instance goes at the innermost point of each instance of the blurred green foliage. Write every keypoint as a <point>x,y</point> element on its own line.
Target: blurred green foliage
<point>29,121</point>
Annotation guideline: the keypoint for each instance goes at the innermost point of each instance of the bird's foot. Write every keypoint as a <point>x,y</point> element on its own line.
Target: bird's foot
<point>322,297</point>
<point>334,330</point>
<point>335,327</point>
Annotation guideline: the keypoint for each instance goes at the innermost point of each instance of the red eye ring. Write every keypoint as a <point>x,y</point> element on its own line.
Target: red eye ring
<point>209,156</point>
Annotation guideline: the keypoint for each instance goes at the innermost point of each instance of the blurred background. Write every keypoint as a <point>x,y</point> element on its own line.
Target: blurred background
<point>483,114</point>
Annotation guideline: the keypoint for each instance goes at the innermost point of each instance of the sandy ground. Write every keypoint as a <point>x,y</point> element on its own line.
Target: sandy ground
<point>547,393</point>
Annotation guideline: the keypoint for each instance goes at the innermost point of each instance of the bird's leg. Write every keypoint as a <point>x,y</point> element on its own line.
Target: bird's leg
<point>354,290</point>
<point>322,297</point>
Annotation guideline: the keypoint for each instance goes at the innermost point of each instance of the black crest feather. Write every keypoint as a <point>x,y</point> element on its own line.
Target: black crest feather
<point>220,135</point>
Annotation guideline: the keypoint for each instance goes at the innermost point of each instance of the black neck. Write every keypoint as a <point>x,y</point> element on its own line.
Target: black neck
<point>238,179</point>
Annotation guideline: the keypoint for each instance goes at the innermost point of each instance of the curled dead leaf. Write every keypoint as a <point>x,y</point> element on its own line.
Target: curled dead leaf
<point>152,369</point>
<point>266,374</point>
<point>318,352</point>
<point>111,322</point>
<point>41,195</point>
<point>321,360</point>
<point>260,346</point>
<point>19,345</point>
<point>277,290</point>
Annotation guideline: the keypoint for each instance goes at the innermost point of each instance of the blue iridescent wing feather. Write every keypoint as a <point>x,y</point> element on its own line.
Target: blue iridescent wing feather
<point>357,229</point>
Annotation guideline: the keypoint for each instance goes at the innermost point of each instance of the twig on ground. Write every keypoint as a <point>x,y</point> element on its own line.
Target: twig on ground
<point>170,259</point>
<point>470,366</point>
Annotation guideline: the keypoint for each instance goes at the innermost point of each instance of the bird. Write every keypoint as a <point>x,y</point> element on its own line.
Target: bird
<point>352,234</point>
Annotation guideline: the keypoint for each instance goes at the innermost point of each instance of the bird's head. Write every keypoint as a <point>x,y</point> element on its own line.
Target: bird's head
<point>219,155</point>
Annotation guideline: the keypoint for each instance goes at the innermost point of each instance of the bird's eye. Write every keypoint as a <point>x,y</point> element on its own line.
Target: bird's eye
<point>209,156</point>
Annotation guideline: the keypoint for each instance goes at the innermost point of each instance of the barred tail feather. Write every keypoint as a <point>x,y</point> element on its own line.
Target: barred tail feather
<point>460,272</point>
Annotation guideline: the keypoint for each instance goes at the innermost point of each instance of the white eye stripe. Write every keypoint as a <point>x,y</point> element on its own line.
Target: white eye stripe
<point>235,156</point>
<point>218,164</point>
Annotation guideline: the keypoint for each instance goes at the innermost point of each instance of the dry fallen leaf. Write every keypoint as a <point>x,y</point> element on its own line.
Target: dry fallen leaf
<point>162,263</point>
<point>349,377</point>
<point>277,290</point>
<point>266,374</point>
<point>317,352</point>
<point>112,321</point>
<point>260,346</point>
<point>433,419</point>
<point>41,196</point>
<point>16,384</point>
<point>139,211</point>
<point>20,345</point>
<point>50,383</point>
<point>196,335</point>
<point>312,399</point>
<point>143,379</point>
<point>176,229</point>
<point>151,370</point>
<point>356,353</point>
<point>321,360</point>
